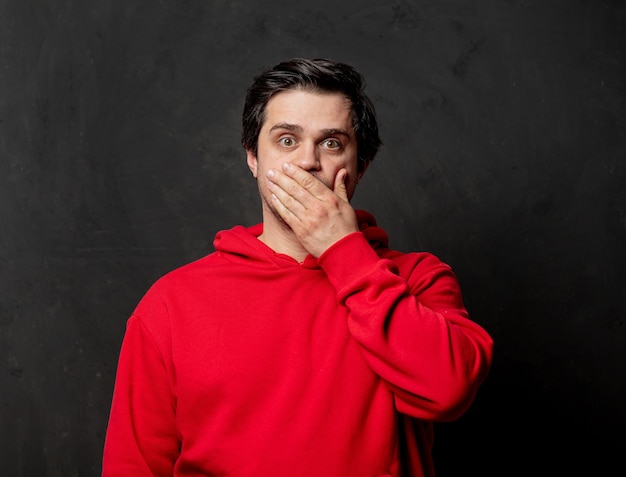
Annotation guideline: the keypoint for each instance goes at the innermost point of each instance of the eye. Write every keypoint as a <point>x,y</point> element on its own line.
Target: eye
<point>287,141</point>
<point>332,144</point>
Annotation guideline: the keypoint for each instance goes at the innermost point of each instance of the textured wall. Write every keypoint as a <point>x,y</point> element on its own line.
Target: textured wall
<point>504,125</point>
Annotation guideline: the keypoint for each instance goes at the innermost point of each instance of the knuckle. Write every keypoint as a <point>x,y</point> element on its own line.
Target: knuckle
<point>288,201</point>
<point>307,181</point>
<point>292,189</point>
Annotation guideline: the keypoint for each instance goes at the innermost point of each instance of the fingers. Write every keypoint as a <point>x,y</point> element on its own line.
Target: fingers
<point>318,213</point>
<point>340,184</point>
<point>299,192</point>
<point>296,188</point>
<point>283,197</point>
<point>301,179</point>
<point>285,190</point>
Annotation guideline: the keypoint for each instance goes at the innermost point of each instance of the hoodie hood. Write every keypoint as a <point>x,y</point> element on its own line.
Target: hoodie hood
<point>242,242</point>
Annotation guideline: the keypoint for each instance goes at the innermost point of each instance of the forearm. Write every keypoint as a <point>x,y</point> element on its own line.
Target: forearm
<point>414,331</point>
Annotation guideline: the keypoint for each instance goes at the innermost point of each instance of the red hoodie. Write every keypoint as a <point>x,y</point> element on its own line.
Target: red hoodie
<point>246,363</point>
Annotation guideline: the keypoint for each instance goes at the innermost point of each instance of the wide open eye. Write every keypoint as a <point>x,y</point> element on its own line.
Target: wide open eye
<point>287,141</point>
<point>332,144</point>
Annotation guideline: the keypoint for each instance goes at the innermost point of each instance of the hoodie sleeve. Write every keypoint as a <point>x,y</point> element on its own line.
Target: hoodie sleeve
<point>141,437</point>
<point>408,316</point>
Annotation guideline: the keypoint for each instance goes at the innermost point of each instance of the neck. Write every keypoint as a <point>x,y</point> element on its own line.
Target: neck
<point>278,236</point>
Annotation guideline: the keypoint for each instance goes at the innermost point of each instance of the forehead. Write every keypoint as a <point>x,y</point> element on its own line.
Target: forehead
<point>309,108</point>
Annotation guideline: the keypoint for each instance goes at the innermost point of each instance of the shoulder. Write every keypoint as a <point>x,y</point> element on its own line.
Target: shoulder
<point>178,282</point>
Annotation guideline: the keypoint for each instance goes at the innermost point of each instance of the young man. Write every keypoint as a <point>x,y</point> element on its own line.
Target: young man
<point>303,346</point>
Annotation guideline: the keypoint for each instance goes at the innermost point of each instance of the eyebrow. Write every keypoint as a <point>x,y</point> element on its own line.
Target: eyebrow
<point>288,126</point>
<point>296,128</point>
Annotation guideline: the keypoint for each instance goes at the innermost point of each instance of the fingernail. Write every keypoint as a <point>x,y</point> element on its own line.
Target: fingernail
<point>286,166</point>
<point>270,173</point>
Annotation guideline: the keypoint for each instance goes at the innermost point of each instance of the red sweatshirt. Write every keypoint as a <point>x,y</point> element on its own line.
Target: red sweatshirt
<point>246,363</point>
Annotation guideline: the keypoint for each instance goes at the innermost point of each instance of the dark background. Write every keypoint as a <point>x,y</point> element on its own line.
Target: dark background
<point>504,123</point>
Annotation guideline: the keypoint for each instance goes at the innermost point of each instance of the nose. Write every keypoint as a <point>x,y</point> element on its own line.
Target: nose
<point>308,157</point>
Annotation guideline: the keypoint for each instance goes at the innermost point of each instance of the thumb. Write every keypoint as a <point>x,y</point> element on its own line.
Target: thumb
<point>340,184</point>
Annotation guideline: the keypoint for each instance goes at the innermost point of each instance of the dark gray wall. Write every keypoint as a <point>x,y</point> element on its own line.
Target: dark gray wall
<point>505,154</point>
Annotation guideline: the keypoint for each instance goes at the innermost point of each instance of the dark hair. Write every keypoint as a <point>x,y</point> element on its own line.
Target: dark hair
<point>316,75</point>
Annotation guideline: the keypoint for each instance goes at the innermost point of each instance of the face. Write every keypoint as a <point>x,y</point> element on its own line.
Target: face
<point>311,130</point>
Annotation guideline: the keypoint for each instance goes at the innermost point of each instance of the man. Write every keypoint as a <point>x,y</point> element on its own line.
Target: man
<point>303,346</point>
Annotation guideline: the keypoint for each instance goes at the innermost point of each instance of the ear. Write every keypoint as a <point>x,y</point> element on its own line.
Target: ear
<point>252,162</point>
